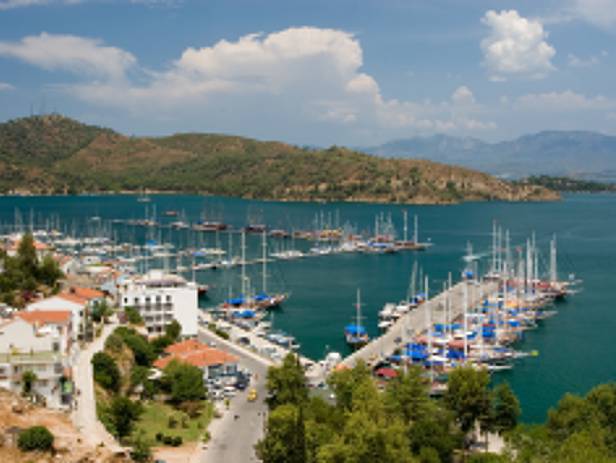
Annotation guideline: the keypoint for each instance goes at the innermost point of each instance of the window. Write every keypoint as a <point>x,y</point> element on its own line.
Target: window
<point>168,299</point>
<point>56,346</point>
<point>125,300</point>
<point>136,301</point>
<point>158,298</point>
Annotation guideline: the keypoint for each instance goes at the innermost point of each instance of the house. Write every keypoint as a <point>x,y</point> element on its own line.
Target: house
<point>213,362</point>
<point>79,301</point>
<point>161,298</point>
<point>39,342</point>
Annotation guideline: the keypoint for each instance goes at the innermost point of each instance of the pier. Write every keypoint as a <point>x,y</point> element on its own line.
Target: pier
<point>420,318</point>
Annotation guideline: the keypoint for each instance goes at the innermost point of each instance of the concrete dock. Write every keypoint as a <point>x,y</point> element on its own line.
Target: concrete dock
<point>417,320</point>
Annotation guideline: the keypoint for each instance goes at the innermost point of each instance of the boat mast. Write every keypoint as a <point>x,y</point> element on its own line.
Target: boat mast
<point>406,219</point>
<point>465,309</point>
<point>493,269</point>
<point>529,265</point>
<point>264,269</point>
<point>416,230</point>
<point>429,315</point>
<point>358,309</point>
<point>553,262</point>
<point>243,275</point>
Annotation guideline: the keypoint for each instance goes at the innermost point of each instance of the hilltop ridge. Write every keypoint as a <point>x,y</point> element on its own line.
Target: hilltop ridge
<point>54,154</point>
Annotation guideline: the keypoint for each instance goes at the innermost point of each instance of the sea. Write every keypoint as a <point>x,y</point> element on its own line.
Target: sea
<point>576,347</point>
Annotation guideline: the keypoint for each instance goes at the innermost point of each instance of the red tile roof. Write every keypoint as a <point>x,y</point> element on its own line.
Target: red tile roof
<point>184,347</point>
<point>196,354</point>
<point>85,294</point>
<point>46,317</point>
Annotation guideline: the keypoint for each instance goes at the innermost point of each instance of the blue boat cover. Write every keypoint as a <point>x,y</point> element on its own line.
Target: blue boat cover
<point>354,330</point>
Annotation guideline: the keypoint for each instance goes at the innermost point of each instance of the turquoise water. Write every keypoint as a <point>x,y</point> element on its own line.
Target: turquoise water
<point>576,347</point>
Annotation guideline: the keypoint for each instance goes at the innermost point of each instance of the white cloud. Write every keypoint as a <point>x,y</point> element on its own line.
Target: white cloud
<point>563,101</point>
<point>303,76</point>
<point>71,53</point>
<point>5,87</point>
<point>11,4</point>
<point>577,62</point>
<point>515,46</point>
<point>463,95</point>
<point>599,12</point>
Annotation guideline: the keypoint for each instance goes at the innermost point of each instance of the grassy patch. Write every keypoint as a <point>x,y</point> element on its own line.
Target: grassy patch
<point>162,418</point>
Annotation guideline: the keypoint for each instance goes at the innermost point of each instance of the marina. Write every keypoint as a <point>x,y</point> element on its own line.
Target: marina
<point>315,295</point>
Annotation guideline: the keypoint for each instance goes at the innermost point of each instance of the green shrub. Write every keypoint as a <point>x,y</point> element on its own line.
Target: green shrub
<point>106,372</point>
<point>133,316</point>
<point>177,441</point>
<point>35,438</point>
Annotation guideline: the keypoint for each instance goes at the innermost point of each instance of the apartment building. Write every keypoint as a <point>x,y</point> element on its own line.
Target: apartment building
<point>40,342</point>
<point>161,298</point>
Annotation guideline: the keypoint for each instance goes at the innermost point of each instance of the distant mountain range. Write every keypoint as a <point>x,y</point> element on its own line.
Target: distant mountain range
<point>54,154</point>
<point>587,155</point>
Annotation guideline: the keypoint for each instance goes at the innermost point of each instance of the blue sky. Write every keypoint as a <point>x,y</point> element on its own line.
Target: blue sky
<point>313,72</point>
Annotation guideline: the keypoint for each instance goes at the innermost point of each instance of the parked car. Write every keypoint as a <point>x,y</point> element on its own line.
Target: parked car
<point>252,395</point>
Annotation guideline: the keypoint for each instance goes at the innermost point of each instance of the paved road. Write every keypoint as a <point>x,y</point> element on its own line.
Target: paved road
<point>84,417</point>
<point>233,440</point>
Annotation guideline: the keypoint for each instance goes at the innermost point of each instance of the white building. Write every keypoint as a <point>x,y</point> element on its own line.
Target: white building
<point>161,298</point>
<point>40,342</point>
<point>79,301</point>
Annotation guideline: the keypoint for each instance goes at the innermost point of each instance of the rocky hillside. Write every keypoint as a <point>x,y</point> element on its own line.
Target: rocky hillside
<point>53,154</point>
<point>69,445</point>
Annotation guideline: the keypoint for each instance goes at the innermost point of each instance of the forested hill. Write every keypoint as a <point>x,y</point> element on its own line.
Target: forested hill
<point>54,154</point>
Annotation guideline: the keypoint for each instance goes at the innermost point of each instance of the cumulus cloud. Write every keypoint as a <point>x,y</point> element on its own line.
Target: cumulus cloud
<point>515,46</point>
<point>567,100</point>
<point>4,87</point>
<point>301,75</point>
<point>71,53</point>
<point>463,95</point>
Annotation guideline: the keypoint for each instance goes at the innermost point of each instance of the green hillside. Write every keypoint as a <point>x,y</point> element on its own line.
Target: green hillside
<point>54,154</point>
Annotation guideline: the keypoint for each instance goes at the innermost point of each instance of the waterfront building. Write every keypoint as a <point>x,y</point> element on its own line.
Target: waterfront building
<point>161,298</point>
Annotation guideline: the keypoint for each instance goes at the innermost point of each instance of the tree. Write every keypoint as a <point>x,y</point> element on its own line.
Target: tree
<point>435,430</point>
<point>468,396</point>
<point>106,372</point>
<point>284,441</point>
<point>184,382</point>
<point>49,272</point>
<point>173,330</point>
<point>133,316</point>
<point>344,383</point>
<point>100,311</point>
<point>138,344</point>
<point>407,395</point>
<point>36,438</point>
<point>123,413</point>
<point>28,379</point>
<point>287,383</point>
<point>26,255</point>
<point>505,408</point>
<point>142,450</point>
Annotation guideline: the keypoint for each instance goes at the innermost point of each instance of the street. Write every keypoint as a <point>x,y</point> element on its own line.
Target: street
<point>233,440</point>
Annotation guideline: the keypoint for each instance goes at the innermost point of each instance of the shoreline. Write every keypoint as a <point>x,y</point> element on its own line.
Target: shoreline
<point>27,194</point>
